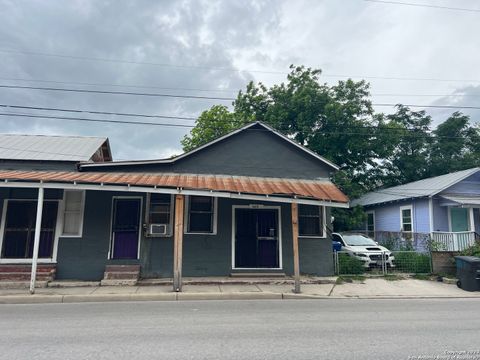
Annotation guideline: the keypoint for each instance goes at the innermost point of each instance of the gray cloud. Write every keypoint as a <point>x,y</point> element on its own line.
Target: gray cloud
<point>349,37</point>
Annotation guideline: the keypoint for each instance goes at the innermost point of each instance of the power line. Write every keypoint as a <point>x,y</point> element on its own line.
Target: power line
<point>117,92</point>
<point>200,67</point>
<point>95,120</point>
<point>433,106</point>
<point>369,134</point>
<point>231,90</point>
<point>96,112</point>
<point>211,97</point>
<point>424,5</point>
<point>119,85</point>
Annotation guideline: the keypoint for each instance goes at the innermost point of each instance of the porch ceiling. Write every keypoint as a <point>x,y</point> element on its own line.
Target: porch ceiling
<point>320,190</point>
<point>467,200</point>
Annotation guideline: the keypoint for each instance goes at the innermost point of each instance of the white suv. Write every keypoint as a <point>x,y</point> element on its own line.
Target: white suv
<point>363,248</point>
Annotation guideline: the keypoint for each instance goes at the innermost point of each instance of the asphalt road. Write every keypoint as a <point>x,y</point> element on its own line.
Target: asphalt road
<point>283,329</point>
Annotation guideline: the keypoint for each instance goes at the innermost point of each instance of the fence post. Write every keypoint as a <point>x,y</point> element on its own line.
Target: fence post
<point>384,263</point>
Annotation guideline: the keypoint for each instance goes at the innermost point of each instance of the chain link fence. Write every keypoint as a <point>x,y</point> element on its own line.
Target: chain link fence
<point>382,263</point>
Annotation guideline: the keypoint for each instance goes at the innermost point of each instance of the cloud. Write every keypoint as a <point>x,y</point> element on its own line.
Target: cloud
<point>184,33</point>
<point>349,37</point>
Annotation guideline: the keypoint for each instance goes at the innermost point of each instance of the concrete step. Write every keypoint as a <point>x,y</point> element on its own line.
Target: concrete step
<point>121,275</point>
<point>121,268</point>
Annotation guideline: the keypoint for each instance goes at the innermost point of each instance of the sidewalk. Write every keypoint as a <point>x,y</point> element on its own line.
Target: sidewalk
<point>369,289</point>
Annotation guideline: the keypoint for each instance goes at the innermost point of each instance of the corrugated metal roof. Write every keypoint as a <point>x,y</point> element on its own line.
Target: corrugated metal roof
<point>311,189</point>
<point>45,147</point>
<point>421,188</point>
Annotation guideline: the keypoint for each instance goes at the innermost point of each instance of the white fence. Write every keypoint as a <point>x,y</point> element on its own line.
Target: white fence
<point>454,241</point>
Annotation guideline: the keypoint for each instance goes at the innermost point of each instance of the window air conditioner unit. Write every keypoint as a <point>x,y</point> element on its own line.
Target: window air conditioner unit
<point>158,229</point>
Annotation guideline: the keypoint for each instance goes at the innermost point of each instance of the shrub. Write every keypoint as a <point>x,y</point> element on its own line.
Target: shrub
<point>472,251</point>
<point>412,262</point>
<point>350,265</point>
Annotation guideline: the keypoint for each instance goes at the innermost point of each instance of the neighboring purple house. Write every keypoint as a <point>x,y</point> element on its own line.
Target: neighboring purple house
<point>444,208</point>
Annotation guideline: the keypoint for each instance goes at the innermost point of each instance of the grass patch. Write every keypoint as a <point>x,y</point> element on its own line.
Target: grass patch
<point>350,279</point>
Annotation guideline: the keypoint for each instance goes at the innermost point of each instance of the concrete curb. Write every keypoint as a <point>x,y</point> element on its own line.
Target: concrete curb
<point>49,299</point>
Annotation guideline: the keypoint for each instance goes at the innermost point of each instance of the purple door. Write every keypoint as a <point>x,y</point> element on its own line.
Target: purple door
<point>125,228</point>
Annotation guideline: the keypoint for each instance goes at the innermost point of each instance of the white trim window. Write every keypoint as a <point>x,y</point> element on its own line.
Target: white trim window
<point>73,210</point>
<point>159,212</point>
<point>201,215</point>
<point>311,221</point>
<point>406,218</point>
<point>370,223</point>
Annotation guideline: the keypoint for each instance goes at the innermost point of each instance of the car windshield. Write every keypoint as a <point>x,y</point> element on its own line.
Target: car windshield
<point>358,240</point>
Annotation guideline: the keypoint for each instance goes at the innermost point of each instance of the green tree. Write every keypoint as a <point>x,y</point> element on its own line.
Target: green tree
<point>212,123</point>
<point>455,145</point>
<point>410,134</point>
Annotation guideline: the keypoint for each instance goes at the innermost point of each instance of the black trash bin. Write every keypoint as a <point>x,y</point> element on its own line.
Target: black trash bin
<point>468,272</point>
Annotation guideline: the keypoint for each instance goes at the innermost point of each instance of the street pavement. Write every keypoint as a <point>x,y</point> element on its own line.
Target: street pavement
<point>255,329</point>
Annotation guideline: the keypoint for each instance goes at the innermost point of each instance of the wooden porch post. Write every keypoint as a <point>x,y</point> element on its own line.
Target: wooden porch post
<point>178,242</point>
<point>36,241</point>
<point>296,260</point>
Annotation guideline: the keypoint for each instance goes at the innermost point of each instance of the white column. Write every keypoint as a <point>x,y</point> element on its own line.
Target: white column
<point>430,214</point>
<point>472,220</point>
<point>36,243</point>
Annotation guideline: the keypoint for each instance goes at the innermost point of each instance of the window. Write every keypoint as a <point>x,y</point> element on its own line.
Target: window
<point>406,219</point>
<point>73,203</point>
<point>310,221</point>
<point>160,212</point>
<point>371,224</point>
<point>201,215</point>
<point>19,229</point>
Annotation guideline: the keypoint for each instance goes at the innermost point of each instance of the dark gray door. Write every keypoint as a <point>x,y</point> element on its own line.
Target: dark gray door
<point>256,238</point>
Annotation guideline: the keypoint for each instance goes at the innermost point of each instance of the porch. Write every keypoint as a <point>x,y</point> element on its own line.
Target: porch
<point>161,229</point>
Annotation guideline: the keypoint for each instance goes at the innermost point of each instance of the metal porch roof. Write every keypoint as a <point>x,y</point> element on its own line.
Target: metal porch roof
<point>321,190</point>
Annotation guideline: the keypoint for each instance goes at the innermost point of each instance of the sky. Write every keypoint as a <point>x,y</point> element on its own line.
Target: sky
<point>213,48</point>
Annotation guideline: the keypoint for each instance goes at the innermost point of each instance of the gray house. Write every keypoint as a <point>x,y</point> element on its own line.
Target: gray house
<point>252,201</point>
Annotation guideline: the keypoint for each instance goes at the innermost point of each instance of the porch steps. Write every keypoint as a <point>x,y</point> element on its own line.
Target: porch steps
<point>15,273</point>
<point>121,275</point>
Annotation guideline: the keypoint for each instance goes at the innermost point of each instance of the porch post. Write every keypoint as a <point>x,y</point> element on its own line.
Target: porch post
<point>178,243</point>
<point>36,242</point>
<point>296,260</point>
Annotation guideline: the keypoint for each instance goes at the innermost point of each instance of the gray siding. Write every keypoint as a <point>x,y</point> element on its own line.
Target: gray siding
<point>253,152</point>
<point>37,165</point>
<point>85,258</point>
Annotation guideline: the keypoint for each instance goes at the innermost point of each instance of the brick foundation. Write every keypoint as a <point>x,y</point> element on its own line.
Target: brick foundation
<point>443,262</point>
<point>22,272</point>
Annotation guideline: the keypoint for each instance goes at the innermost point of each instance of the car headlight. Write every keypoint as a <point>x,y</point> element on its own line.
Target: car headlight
<point>360,254</point>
